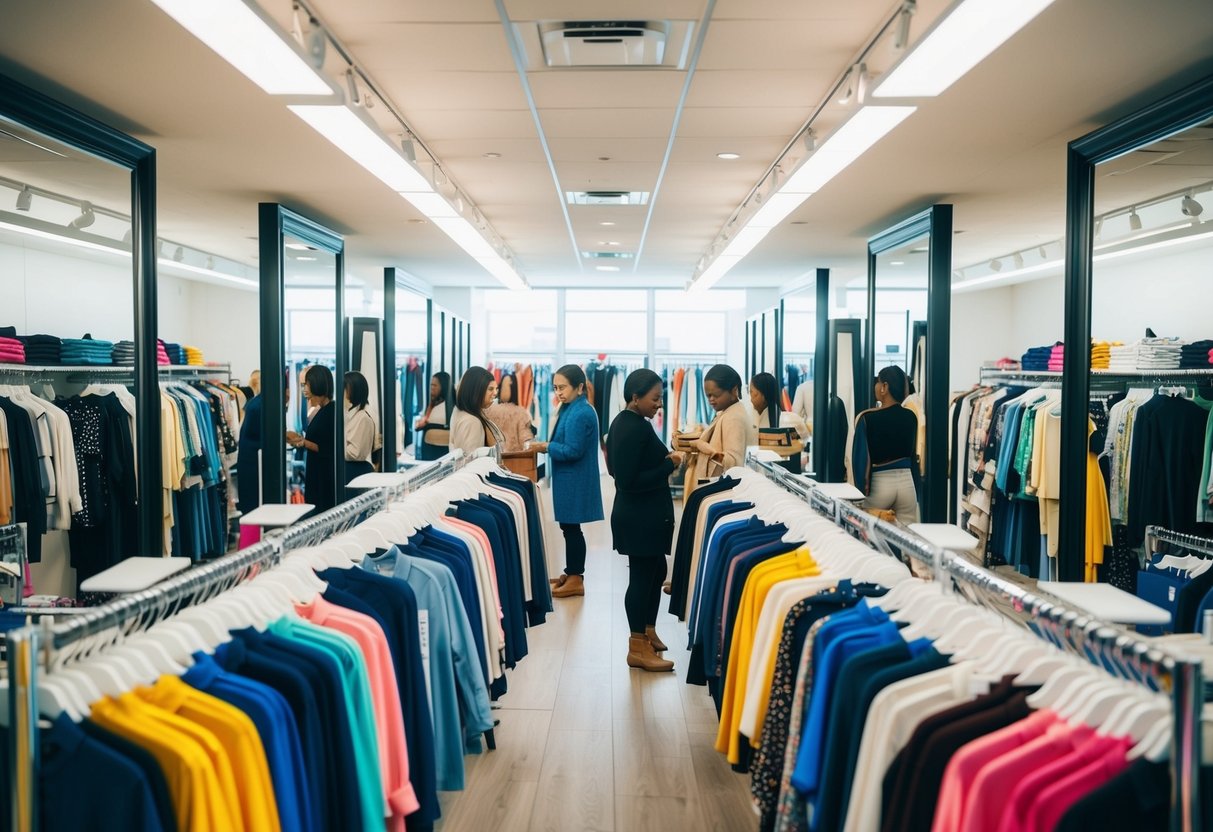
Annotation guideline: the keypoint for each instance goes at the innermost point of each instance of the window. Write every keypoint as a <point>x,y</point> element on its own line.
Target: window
<point>695,323</point>
<point>520,322</point>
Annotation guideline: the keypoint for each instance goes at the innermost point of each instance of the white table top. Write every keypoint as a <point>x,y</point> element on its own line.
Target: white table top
<point>378,479</point>
<point>134,574</point>
<point>1107,602</point>
<point>945,536</point>
<point>276,514</point>
<point>837,490</point>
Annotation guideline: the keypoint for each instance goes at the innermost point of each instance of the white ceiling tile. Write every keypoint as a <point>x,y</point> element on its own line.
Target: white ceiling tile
<point>708,122</point>
<point>608,124</point>
<point>604,89</point>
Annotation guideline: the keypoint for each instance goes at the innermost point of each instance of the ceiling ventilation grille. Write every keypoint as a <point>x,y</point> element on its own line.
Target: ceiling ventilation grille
<point>607,197</point>
<point>598,44</point>
<point>607,255</point>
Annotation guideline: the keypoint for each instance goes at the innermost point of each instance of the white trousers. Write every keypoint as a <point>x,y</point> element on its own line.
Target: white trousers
<point>894,490</point>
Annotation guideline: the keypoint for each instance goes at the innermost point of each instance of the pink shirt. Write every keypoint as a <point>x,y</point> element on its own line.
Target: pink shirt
<point>968,762</point>
<point>389,716</point>
<point>1105,758</point>
<point>1028,790</point>
<point>483,539</point>
<point>986,801</point>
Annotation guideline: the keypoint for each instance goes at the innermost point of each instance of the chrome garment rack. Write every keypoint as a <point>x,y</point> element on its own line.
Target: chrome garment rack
<point>51,645</point>
<point>1188,378</point>
<point>1190,542</point>
<point>1119,652</point>
<point>112,373</point>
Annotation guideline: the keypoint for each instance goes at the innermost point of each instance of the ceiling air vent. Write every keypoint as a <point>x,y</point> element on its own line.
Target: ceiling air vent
<point>607,197</point>
<point>597,44</point>
<point>607,255</point>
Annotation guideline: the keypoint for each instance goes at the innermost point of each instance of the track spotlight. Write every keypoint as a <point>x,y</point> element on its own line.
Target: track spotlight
<point>178,255</point>
<point>810,140</point>
<point>1098,227</point>
<point>1134,220</point>
<point>86,218</point>
<point>856,85</point>
<point>902,37</point>
<point>25,199</point>
<point>210,263</point>
<point>409,149</point>
<point>848,87</point>
<point>1190,207</point>
<point>126,238</point>
<point>996,265</point>
<point>317,44</point>
<point>1017,260</point>
<point>352,84</point>
<point>1044,255</point>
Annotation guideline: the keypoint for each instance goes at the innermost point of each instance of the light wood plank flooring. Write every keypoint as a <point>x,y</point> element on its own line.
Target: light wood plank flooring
<point>586,743</point>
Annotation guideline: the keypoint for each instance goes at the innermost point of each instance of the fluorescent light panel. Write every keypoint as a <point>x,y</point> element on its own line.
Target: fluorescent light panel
<point>364,144</point>
<point>713,273</point>
<point>745,241</point>
<point>960,41</point>
<point>846,144</point>
<point>246,41</point>
<point>466,236</point>
<point>776,209</point>
<point>431,204</point>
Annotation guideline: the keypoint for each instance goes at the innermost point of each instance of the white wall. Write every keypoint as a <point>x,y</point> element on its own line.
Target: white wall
<point>982,330</point>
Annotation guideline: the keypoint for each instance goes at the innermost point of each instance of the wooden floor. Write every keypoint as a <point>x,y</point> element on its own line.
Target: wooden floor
<point>586,743</point>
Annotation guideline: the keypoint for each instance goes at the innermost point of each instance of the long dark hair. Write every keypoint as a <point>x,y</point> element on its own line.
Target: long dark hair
<point>472,389</point>
<point>899,385</point>
<point>512,398</point>
<point>724,377</point>
<point>444,392</point>
<point>769,388</point>
<point>358,389</point>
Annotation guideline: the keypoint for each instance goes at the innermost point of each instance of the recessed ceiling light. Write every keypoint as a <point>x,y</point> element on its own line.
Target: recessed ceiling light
<point>492,155</point>
<point>607,268</point>
<point>897,262</point>
<point>608,242</point>
<point>606,222</point>
<point>604,158</point>
<point>728,156</point>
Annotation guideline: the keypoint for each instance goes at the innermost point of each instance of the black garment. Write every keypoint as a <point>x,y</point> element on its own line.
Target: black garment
<point>574,548</point>
<point>28,504</point>
<point>147,764</point>
<point>396,605</point>
<point>681,578</point>
<point>541,591</point>
<point>892,433</point>
<point>1137,799</point>
<point>837,428</point>
<point>320,466</point>
<point>248,462</point>
<point>1164,467</point>
<point>915,807</point>
<point>642,518</point>
<point>643,596</point>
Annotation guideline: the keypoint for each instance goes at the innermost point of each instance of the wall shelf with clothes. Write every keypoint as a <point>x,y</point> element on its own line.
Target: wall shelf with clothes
<point>823,665</point>
<point>1149,452</point>
<point>280,620</point>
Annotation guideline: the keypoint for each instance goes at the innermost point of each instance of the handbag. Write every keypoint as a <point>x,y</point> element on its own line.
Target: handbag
<point>437,436</point>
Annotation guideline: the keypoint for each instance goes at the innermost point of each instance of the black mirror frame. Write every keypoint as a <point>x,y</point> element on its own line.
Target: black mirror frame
<point>393,279</point>
<point>1175,113</point>
<point>275,221</point>
<point>58,121</point>
<point>934,223</point>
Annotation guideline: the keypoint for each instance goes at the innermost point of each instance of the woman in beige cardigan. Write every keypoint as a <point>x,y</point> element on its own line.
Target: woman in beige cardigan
<point>723,445</point>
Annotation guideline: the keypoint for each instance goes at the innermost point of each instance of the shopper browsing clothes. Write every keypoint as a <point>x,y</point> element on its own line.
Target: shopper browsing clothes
<point>884,450</point>
<point>360,428</point>
<point>576,487</point>
<point>764,398</point>
<point>723,445</point>
<point>642,517</point>
<point>319,443</point>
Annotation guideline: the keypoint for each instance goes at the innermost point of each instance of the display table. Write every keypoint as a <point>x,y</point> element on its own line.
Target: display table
<point>379,479</point>
<point>1107,602</point>
<point>945,536</point>
<point>134,574</point>
<point>276,515</point>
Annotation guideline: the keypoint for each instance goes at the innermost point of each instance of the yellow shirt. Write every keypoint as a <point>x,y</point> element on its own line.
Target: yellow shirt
<point>762,578</point>
<point>192,781</point>
<point>253,790</point>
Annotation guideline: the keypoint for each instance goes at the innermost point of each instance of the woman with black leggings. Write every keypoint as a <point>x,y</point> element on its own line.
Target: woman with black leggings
<point>642,519</point>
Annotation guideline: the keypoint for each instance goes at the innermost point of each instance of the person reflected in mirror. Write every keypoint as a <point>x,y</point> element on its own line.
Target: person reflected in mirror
<point>513,421</point>
<point>319,443</point>
<point>884,451</point>
<point>360,428</point>
<point>435,425</point>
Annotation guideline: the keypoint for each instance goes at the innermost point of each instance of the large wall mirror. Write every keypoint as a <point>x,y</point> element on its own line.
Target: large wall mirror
<point>412,409</point>
<point>1138,264</point>
<point>303,346</point>
<point>908,299</point>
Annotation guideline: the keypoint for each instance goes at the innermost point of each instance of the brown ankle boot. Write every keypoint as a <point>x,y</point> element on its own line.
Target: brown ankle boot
<point>573,585</point>
<point>667,588</point>
<point>651,634</point>
<point>641,655</point>
<point>558,580</point>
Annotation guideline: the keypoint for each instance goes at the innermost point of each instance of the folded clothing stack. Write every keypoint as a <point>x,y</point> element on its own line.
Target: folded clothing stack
<point>1007,363</point>
<point>1057,359</point>
<point>124,354</point>
<point>1101,354</point>
<point>12,351</point>
<point>1124,357</point>
<point>87,350</point>
<point>1159,354</point>
<point>176,355</point>
<point>43,349</point>
<point>1196,355</point>
<point>162,353</point>
<point>193,356</point>
<point>1036,359</point>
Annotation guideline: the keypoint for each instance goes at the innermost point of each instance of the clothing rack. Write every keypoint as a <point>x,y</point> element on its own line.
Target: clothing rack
<point>51,645</point>
<point>1190,542</point>
<point>991,375</point>
<point>108,372</point>
<point>1109,646</point>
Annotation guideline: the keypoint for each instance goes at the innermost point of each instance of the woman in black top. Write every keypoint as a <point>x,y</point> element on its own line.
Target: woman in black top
<point>885,449</point>
<point>320,441</point>
<point>642,518</point>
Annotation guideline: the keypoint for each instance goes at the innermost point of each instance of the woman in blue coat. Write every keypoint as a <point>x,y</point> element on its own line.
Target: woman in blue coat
<point>576,484</point>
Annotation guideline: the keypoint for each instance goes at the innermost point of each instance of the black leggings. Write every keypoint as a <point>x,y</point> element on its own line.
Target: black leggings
<point>574,549</point>
<point>644,591</point>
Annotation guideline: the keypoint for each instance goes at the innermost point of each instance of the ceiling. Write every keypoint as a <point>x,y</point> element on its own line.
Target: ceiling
<point>993,144</point>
